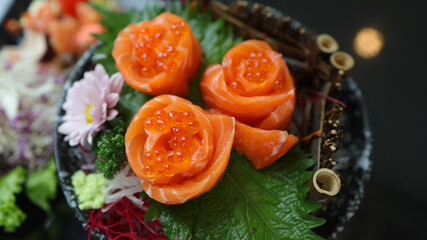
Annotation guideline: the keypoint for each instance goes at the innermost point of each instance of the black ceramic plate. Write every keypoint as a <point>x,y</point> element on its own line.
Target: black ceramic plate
<point>354,156</point>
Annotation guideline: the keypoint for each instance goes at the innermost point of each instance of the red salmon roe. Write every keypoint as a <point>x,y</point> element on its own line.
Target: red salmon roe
<point>150,124</point>
<point>179,129</point>
<point>149,158</point>
<point>160,114</point>
<point>184,142</point>
<point>178,156</point>
<point>189,115</point>
<point>155,59</point>
<point>148,72</point>
<point>236,87</point>
<point>169,170</point>
<point>256,67</point>
<point>193,127</point>
<point>150,171</point>
<point>178,28</point>
<point>179,120</point>
<point>161,126</point>
<point>160,153</point>
<point>174,142</point>
<point>171,114</point>
<point>278,85</point>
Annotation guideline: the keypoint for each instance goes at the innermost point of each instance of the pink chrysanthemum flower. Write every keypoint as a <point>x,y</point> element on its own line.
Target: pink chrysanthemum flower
<point>89,104</point>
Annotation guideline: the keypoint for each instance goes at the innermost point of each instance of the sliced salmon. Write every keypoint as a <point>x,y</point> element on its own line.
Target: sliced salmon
<point>87,14</point>
<point>262,147</point>
<point>253,84</point>
<point>40,16</point>
<point>161,56</point>
<point>176,149</point>
<point>68,33</point>
<point>84,38</point>
<point>61,34</point>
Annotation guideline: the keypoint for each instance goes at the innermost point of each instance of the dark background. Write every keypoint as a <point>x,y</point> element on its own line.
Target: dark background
<point>394,85</point>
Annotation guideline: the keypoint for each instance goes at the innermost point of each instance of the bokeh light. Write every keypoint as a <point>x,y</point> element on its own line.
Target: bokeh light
<point>368,42</point>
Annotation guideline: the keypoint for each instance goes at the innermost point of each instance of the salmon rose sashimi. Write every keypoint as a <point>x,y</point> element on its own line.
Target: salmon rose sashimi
<point>177,150</point>
<point>161,56</point>
<point>253,84</point>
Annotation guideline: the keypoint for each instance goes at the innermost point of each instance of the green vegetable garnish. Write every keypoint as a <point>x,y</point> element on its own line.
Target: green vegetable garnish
<point>41,186</point>
<point>109,145</point>
<point>11,216</point>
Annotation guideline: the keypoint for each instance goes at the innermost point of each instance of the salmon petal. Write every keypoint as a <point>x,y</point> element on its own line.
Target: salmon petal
<point>262,147</point>
<point>253,84</point>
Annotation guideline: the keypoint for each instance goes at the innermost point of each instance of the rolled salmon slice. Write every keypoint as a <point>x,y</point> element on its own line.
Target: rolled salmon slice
<point>161,56</point>
<point>223,131</point>
<point>177,149</point>
<point>253,84</point>
<point>262,147</point>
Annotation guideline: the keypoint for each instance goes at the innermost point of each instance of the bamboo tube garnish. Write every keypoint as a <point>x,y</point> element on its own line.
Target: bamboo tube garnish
<point>326,43</point>
<point>324,184</point>
<point>342,61</point>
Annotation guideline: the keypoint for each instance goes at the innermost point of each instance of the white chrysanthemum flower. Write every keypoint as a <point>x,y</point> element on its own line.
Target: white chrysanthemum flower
<point>89,104</point>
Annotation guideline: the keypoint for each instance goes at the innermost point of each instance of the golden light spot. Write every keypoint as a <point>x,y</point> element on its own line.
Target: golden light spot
<point>368,42</point>
<point>88,116</point>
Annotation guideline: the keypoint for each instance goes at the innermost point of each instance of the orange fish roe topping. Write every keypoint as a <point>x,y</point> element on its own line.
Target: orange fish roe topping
<point>180,132</point>
<point>171,142</point>
<point>158,56</point>
<point>253,84</point>
<point>257,65</point>
<point>172,133</point>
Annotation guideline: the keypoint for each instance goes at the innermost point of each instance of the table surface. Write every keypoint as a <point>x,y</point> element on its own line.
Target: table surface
<point>394,86</point>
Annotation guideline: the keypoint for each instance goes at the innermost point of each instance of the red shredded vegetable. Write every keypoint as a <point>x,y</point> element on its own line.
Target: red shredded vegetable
<point>125,220</point>
<point>320,94</point>
<point>302,102</point>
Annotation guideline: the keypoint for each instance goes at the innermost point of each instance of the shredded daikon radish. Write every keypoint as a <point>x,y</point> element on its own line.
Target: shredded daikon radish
<point>124,184</point>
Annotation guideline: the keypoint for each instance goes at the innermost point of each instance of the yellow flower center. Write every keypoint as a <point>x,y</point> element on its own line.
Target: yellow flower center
<point>88,116</point>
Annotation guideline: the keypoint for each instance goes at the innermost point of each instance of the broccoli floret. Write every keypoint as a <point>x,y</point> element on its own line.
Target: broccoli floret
<point>109,145</point>
<point>90,189</point>
<point>108,168</point>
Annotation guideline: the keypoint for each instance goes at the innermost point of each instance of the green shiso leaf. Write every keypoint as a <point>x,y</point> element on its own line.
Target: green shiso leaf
<point>130,102</point>
<point>11,216</point>
<point>215,37</point>
<point>248,204</point>
<point>41,184</point>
